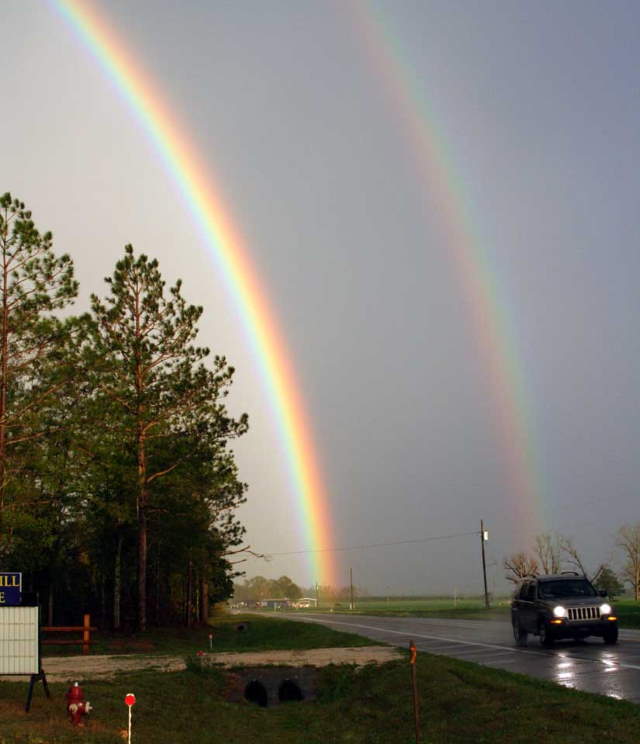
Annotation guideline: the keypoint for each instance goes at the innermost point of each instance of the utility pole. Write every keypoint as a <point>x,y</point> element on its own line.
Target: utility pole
<point>484,536</point>
<point>351,588</point>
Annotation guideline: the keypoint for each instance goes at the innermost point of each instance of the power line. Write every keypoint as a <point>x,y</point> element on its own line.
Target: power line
<point>375,545</point>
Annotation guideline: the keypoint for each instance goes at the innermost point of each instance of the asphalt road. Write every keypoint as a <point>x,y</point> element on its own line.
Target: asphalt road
<point>584,665</point>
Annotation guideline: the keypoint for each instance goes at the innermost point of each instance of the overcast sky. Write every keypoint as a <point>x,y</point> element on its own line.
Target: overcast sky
<point>299,113</point>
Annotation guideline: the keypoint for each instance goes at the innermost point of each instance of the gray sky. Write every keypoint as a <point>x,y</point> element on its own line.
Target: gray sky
<point>538,108</point>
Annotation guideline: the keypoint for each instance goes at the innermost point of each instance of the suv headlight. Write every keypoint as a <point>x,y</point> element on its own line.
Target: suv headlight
<point>560,611</point>
<point>605,609</point>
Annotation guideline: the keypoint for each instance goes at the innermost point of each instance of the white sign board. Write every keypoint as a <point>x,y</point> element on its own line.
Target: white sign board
<point>19,647</point>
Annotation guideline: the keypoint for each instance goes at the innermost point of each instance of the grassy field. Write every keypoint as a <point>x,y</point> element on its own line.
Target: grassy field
<point>459,701</point>
<point>430,604</point>
<point>628,610</point>
<point>472,607</point>
<point>629,613</point>
<point>262,634</point>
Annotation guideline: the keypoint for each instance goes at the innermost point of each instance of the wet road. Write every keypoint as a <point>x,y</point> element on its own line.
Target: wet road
<point>586,665</point>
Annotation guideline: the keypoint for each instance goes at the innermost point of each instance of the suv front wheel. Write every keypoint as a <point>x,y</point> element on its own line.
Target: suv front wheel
<point>610,636</point>
<point>546,635</point>
<point>519,633</point>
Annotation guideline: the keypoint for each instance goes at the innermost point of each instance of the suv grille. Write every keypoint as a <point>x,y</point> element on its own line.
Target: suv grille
<point>584,613</point>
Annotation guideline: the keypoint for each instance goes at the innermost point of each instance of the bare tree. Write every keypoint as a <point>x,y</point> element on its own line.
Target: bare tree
<point>519,566</point>
<point>246,551</point>
<point>573,559</point>
<point>628,540</point>
<point>571,555</point>
<point>548,552</point>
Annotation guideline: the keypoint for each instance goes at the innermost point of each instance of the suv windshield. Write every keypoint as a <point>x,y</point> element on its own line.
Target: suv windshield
<point>566,588</point>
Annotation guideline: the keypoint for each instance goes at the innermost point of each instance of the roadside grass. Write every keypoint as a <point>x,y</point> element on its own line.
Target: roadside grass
<point>628,610</point>
<point>261,634</point>
<point>628,613</point>
<point>460,702</point>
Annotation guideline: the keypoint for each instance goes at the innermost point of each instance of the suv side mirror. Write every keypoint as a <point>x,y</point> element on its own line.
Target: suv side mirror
<point>603,592</point>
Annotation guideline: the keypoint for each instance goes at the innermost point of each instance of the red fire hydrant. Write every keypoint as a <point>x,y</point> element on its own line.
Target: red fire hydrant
<point>77,706</point>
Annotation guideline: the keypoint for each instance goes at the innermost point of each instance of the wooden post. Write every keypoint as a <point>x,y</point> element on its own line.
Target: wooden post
<point>86,633</point>
<point>413,652</point>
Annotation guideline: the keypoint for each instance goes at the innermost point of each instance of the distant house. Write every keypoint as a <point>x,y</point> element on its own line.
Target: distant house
<point>250,604</point>
<point>304,602</point>
<point>275,604</point>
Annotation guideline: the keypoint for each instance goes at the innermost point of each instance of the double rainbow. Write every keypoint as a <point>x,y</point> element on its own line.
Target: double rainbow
<point>488,311</point>
<point>225,244</point>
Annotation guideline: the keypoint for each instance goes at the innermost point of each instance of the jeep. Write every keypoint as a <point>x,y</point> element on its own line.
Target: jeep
<point>564,606</point>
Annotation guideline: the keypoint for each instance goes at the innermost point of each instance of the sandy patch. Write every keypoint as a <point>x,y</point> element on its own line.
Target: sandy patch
<point>72,668</point>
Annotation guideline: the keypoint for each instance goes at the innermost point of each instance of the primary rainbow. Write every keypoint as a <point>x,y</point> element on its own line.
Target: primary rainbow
<point>226,246</point>
<point>489,312</point>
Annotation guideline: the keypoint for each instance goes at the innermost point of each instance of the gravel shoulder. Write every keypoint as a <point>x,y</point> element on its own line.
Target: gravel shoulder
<point>72,668</point>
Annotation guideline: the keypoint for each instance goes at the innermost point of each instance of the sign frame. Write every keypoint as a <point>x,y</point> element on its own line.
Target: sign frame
<point>21,646</point>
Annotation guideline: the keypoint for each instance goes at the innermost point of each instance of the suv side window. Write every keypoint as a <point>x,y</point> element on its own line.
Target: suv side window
<point>531,592</point>
<point>522,594</point>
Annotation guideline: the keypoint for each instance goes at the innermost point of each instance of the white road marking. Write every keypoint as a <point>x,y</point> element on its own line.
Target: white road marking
<point>481,653</point>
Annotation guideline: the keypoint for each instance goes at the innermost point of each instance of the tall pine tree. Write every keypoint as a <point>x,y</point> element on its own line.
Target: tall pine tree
<point>35,285</point>
<point>153,382</point>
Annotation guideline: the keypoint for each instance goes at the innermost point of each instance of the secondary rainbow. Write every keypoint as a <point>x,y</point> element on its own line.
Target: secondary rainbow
<point>226,246</point>
<point>489,314</point>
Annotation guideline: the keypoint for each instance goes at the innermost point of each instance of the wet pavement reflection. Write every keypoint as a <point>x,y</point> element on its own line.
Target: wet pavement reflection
<point>583,665</point>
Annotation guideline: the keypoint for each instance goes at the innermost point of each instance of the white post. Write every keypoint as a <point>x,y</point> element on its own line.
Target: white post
<point>130,701</point>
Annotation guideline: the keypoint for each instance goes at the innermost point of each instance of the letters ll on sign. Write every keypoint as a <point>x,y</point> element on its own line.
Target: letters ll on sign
<point>10,588</point>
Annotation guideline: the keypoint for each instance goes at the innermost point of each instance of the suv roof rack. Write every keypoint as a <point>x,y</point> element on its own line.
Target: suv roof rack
<point>569,573</point>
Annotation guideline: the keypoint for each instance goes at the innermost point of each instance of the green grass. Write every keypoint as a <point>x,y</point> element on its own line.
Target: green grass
<point>263,634</point>
<point>422,607</point>
<point>628,610</point>
<point>629,613</point>
<point>459,702</point>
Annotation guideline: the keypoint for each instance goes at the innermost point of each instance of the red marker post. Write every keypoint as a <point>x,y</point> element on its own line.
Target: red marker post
<point>130,701</point>
<point>413,654</point>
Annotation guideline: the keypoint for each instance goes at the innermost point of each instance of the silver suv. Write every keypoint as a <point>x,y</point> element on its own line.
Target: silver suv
<point>564,606</point>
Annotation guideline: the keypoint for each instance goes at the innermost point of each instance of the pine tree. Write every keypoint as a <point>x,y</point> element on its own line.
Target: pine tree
<point>35,285</point>
<point>152,377</point>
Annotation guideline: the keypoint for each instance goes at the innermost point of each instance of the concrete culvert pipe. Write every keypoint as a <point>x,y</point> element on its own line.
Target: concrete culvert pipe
<point>289,691</point>
<point>256,692</point>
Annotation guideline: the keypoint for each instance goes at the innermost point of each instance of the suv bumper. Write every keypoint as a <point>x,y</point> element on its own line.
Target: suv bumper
<point>581,629</point>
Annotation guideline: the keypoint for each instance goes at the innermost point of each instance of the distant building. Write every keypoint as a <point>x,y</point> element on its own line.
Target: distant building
<point>304,602</point>
<point>275,604</point>
<point>249,604</point>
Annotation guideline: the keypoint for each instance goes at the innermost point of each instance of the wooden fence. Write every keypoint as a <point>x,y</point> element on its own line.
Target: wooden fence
<point>85,629</point>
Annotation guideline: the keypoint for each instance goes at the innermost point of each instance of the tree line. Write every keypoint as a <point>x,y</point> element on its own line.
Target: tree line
<point>553,553</point>
<point>259,587</point>
<point>118,487</point>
